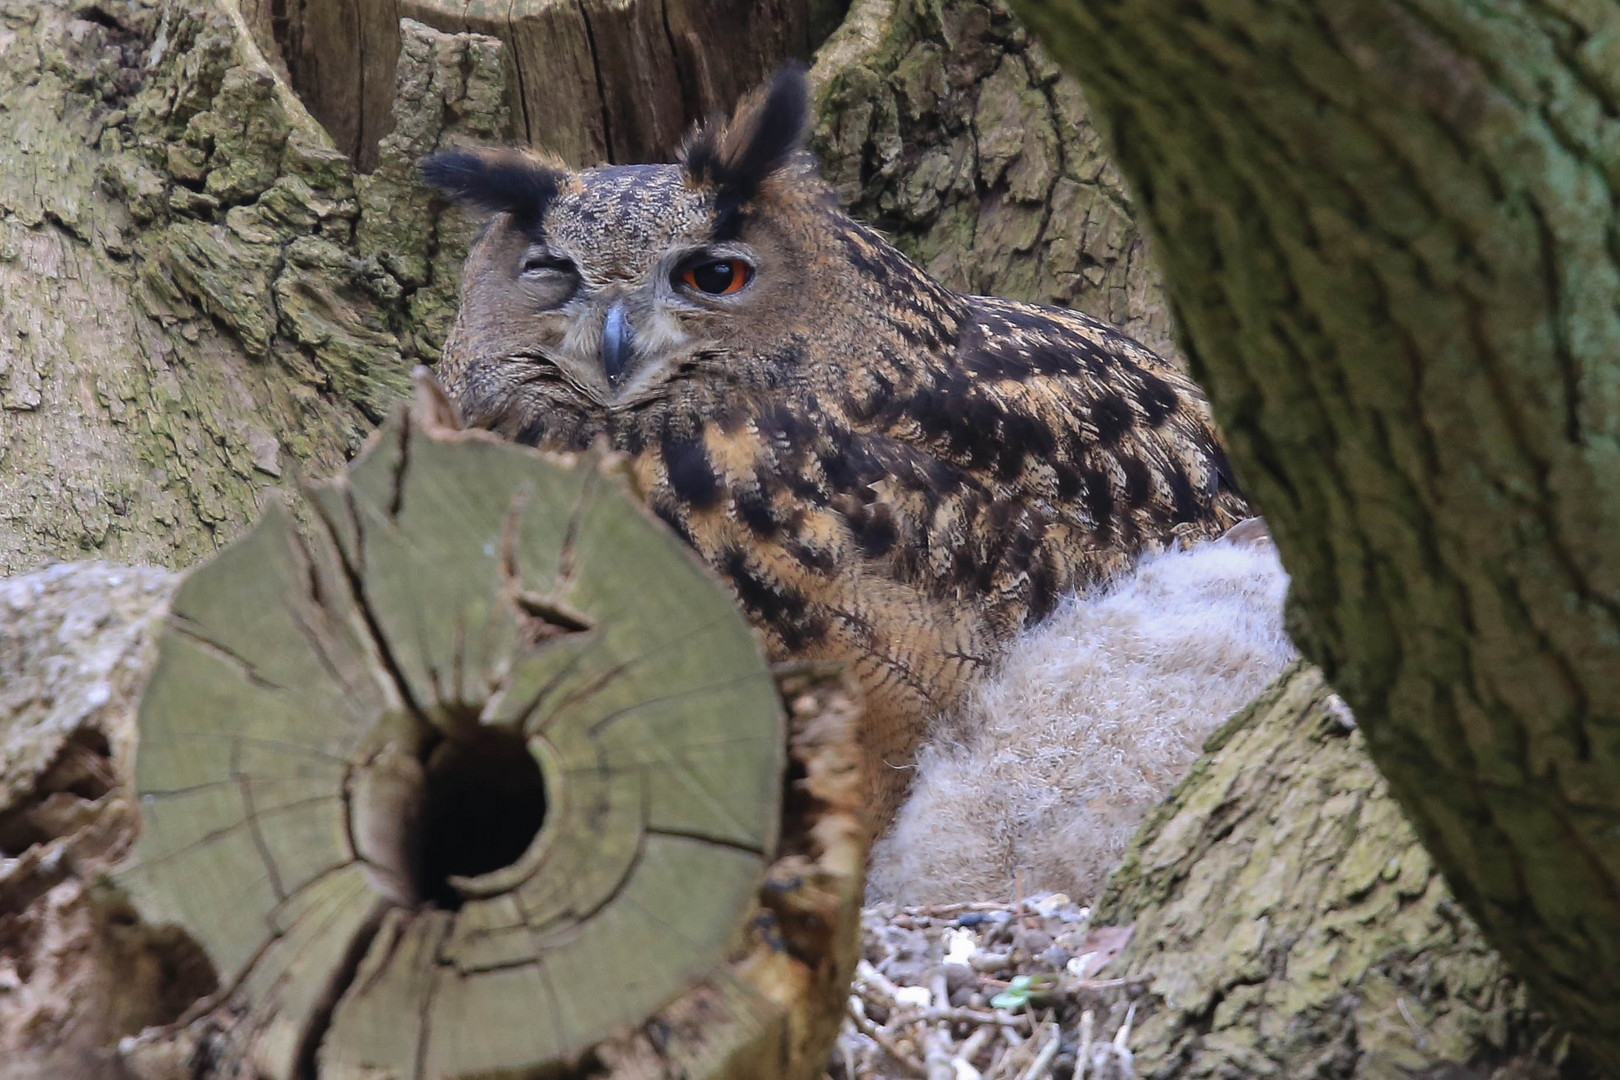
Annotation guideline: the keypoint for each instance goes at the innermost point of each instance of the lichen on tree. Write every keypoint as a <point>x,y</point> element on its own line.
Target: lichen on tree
<point>202,298</point>
<point>1287,922</point>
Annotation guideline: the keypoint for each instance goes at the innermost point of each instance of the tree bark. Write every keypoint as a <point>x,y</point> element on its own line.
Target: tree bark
<point>1287,922</point>
<point>78,970</point>
<point>1386,231</point>
<point>944,124</point>
<point>201,298</point>
<point>595,81</point>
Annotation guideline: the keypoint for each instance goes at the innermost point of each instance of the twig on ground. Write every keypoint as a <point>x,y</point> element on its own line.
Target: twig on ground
<point>1042,1065</point>
<point>885,1041</point>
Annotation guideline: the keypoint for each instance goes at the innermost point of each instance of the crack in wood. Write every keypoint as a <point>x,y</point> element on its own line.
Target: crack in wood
<point>601,82</point>
<point>705,838</point>
<point>306,1060</point>
<point>244,784</point>
<point>248,670</point>
<point>601,724</point>
<point>530,136</point>
<point>226,830</point>
<point>354,574</point>
<point>529,711</point>
<point>567,552</point>
<point>543,618</point>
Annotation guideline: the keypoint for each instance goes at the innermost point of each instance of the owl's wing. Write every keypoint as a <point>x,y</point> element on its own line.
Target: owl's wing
<point>1041,458</point>
<point>916,529</point>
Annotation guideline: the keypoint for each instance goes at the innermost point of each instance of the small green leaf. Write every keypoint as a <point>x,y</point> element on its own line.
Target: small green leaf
<point>1007,1000</point>
<point>1015,996</point>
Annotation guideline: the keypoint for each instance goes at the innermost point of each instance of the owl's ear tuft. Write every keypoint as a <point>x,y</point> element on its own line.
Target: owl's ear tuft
<point>763,135</point>
<point>495,180</point>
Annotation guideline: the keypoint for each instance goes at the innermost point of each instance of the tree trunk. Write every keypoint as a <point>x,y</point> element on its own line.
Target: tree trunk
<point>201,299</point>
<point>77,968</point>
<point>1386,231</point>
<point>594,81</point>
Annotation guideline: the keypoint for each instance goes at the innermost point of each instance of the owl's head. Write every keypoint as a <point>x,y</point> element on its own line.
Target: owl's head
<point>595,297</point>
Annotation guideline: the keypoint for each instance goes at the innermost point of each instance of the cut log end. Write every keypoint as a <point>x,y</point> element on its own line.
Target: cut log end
<point>484,776</point>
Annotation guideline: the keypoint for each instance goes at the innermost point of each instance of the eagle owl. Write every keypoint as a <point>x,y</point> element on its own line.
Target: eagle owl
<point>885,471</point>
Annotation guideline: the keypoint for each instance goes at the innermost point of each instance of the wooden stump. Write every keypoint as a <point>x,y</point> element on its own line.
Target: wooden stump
<point>590,80</point>
<point>478,775</point>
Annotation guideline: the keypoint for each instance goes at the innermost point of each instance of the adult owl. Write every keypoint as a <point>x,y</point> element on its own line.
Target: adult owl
<point>885,471</point>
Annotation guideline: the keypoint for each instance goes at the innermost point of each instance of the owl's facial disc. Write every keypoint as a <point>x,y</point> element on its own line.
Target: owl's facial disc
<point>628,285</point>
<point>618,330</point>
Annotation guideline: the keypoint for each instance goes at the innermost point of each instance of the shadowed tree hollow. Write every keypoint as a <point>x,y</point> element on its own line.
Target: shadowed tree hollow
<point>1389,236</point>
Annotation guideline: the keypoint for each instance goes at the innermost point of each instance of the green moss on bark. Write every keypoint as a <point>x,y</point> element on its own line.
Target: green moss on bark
<point>1389,231</point>
<point>263,225</point>
<point>198,298</point>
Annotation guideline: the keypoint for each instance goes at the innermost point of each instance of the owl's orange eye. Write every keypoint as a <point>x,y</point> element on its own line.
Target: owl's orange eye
<point>719,278</point>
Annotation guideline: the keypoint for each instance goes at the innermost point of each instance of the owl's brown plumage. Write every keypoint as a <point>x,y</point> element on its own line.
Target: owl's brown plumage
<point>885,471</point>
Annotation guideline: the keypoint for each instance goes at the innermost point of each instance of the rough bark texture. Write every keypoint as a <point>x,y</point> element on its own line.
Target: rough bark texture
<point>945,125</point>
<point>200,297</point>
<point>1288,923</point>
<point>1389,233</point>
<point>77,970</point>
<point>592,81</point>
<point>204,298</point>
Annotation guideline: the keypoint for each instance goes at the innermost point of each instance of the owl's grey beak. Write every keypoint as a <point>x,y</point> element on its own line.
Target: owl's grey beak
<point>617,341</point>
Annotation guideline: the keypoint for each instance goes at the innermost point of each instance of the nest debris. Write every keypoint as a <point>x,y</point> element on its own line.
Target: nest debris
<point>987,991</point>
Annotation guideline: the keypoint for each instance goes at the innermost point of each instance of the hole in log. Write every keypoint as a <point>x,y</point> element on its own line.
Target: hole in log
<point>483,801</point>
<point>81,773</point>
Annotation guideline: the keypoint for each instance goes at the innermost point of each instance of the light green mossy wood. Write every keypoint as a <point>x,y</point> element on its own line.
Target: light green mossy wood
<point>199,298</point>
<point>943,123</point>
<point>305,687</point>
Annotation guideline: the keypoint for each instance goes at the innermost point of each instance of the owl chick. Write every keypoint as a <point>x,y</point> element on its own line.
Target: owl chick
<point>886,472</point>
